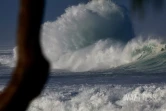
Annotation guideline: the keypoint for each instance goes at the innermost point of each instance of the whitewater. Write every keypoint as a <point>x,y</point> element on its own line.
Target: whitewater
<point>97,62</point>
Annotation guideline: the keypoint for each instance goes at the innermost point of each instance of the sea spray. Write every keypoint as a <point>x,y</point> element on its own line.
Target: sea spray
<point>93,36</point>
<point>67,39</point>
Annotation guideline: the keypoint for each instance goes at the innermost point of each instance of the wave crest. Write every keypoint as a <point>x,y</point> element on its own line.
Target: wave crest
<point>77,40</point>
<point>93,36</point>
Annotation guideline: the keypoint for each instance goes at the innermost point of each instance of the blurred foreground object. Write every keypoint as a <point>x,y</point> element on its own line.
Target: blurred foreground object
<point>32,68</point>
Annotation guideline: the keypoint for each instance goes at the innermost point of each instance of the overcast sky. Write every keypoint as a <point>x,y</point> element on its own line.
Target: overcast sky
<point>154,22</point>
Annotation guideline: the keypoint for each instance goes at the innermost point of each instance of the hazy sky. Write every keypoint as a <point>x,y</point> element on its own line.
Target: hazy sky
<point>154,22</point>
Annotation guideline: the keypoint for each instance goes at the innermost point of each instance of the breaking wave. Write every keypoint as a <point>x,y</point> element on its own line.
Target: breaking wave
<point>84,37</point>
<point>93,36</point>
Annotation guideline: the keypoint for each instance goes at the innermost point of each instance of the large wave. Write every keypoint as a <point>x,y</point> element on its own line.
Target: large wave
<point>85,24</point>
<point>93,36</point>
<point>77,39</point>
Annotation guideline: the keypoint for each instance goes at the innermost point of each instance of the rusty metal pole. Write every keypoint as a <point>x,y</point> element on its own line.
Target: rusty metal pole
<point>32,68</point>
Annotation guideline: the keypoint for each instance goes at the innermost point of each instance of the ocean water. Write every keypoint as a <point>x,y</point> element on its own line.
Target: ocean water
<point>97,62</point>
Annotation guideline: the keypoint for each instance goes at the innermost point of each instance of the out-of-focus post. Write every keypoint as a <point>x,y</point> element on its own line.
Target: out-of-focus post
<point>32,68</point>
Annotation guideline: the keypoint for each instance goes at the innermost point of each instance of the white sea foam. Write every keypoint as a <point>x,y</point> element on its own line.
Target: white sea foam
<point>106,54</point>
<point>7,57</point>
<point>102,98</point>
